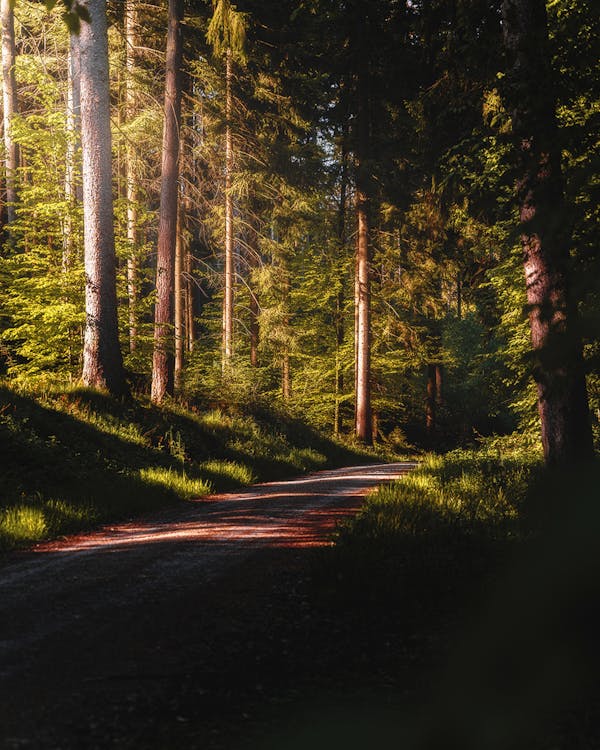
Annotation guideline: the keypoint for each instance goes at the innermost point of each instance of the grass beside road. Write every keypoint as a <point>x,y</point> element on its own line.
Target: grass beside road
<point>488,566</point>
<point>76,458</point>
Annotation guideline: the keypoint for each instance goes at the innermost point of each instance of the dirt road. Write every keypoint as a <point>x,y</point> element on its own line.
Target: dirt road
<point>133,636</point>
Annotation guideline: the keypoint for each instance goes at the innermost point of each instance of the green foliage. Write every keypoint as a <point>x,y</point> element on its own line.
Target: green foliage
<point>449,521</point>
<point>41,271</point>
<point>227,30</point>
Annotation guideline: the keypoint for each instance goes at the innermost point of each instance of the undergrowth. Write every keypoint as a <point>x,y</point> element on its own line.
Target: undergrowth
<point>72,459</point>
<point>417,537</point>
<point>487,565</point>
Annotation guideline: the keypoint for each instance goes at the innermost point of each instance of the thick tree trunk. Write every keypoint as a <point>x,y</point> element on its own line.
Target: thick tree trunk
<point>9,99</point>
<point>102,361</point>
<point>229,242</point>
<point>72,181</point>
<point>162,362</point>
<point>131,46</point>
<point>364,423</point>
<point>559,372</point>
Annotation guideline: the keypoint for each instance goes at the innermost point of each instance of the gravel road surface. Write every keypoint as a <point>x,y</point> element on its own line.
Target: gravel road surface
<point>130,636</point>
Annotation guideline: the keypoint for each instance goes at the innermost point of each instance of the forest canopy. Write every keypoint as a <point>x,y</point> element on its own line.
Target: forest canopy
<point>322,204</point>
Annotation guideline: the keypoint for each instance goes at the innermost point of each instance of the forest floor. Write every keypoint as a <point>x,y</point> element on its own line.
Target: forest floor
<point>198,628</point>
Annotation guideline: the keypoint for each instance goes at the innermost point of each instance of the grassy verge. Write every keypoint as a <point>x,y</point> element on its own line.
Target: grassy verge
<point>73,459</point>
<point>488,565</point>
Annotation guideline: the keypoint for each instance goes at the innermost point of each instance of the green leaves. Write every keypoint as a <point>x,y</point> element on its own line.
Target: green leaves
<point>227,30</point>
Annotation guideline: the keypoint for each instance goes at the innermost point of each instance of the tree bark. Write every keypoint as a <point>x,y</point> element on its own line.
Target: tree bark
<point>10,105</point>
<point>162,362</point>
<point>229,261</point>
<point>363,348</point>
<point>72,182</point>
<point>131,46</point>
<point>190,312</point>
<point>253,262</point>
<point>339,302</point>
<point>431,401</point>
<point>286,373</point>
<point>545,237</point>
<point>439,384</point>
<point>102,361</point>
<point>179,303</point>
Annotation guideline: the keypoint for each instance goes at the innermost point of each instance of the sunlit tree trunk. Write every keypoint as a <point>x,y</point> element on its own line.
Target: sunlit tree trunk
<point>363,346</point>
<point>9,100</point>
<point>339,302</point>
<point>131,46</point>
<point>229,241</point>
<point>190,313</point>
<point>179,295</point>
<point>72,182</point>
<point>364,425</point>
<point>545,237</point>
<point>162,362</point>
<point>102,361</point>
<point>253,262</point>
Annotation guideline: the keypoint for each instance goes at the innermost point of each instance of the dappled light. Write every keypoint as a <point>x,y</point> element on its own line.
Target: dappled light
<point>293,513</point>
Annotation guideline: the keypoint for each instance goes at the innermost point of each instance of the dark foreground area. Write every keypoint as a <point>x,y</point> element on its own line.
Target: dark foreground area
<point>453,612</point>
<point>182,629</point>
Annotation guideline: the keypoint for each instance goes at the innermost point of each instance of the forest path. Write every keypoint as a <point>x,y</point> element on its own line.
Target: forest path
<point>97,630</point>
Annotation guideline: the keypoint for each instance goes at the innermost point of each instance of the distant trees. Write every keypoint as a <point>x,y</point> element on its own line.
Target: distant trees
<point>316,170</point>
<point>227,35</point>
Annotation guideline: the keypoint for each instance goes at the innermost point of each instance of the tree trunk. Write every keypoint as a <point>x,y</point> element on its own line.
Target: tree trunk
<point>131,46</point>
<point>545,238</point>
<point>363,348</point>
<point>162,362</point>
<point>339,302</point>
<point>253,262</point>
<point>286,373</point>
<point>102,361</point>
<point>431,401</point>
<point>190,313</point>
<point>439,384</point>
<point>11,151</point>
<point>229,264</point>
<point>179,303</point>
<point>286,377</point>
<point>72,182</point>
<point>364,424</point>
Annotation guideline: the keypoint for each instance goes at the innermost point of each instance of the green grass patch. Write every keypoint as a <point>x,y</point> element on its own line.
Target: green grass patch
<point>176,482</point>
<point>74,458</point>
<point>450,520</point>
